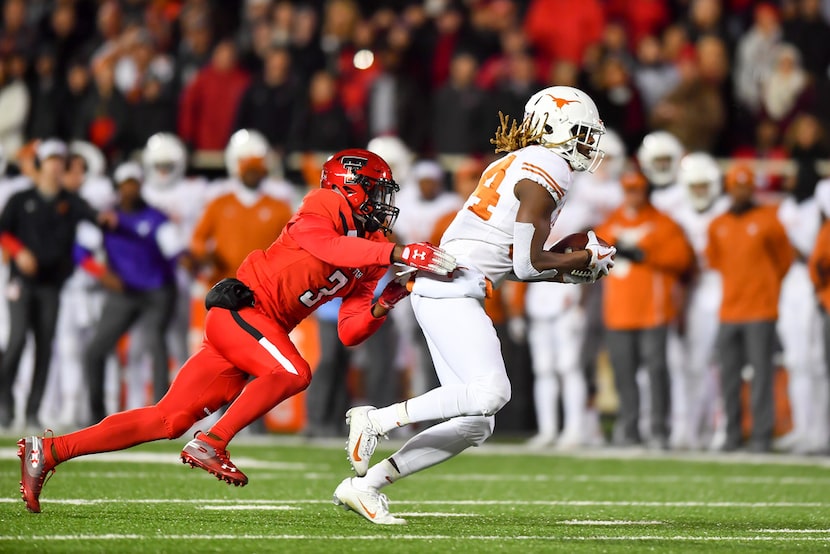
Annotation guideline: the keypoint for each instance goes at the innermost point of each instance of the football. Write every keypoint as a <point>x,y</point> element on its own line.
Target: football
<point>573,242</point>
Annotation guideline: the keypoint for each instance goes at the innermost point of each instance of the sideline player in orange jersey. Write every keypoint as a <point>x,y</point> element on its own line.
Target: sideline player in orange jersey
<point>334,246</point>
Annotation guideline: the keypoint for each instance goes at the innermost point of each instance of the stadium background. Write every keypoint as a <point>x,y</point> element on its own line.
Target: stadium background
<point>318,76</point>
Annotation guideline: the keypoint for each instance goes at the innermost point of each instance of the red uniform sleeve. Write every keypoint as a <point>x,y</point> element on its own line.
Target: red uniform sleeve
<point>317,228</point>
<point>11,244</point>
<point>356,323</point>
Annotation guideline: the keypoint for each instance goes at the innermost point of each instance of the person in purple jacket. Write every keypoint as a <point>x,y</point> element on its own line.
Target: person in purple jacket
<point>140,255</point>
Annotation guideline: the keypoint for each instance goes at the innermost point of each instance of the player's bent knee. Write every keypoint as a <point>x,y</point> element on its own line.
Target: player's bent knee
<point>475,429</point>
<point>178,422</point>
<point>491,393</point>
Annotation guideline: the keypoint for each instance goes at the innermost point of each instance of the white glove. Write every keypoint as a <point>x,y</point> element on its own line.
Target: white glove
<point>602,257</point>
<point>578,277</point>
<point>517,329</point>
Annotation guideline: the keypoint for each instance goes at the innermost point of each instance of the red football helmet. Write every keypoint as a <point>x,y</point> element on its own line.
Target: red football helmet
<point>365,180</point>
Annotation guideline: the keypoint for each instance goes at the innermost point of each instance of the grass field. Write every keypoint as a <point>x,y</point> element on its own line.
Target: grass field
<point>499,498</point>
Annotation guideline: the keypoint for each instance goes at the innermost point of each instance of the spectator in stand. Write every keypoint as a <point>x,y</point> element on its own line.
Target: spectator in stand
<point>642,19</point>
<point>65,35</point>
<point>749,247</point>
<point>75,90</point>
<point>638,305</point>
<point>808,31</point>
<point>208,106</point>
<point>619,102</point>
<point>806,144</point>
<point>323,125</point>
<point>194,50</point>
<point>705,18</point>
<point>15,35</point>
<point>103,112</point>
<point>458,110</point>
<point>767,146</point>
<point>46,92</point>
<point>271,102</point>
<point>694,110</point>
<point>654,77</point>
<point>14,107</point>
<point>560,29</point>
<point>755,55</point>
<point>786,89</point>
<point>396,101</point>
<point>305,49</point>
<point>514,88</point>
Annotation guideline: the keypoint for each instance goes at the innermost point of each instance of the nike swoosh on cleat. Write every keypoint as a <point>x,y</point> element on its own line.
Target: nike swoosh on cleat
<point>603,256</point>
<point>368,513</point>
<point>355,456</point>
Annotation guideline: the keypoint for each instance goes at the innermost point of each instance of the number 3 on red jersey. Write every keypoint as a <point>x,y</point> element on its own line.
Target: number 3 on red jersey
<point>338,281</point>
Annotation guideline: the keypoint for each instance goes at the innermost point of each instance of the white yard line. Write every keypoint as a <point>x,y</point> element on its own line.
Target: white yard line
<point>387,537</point>
<point>583,503</point>
<point>257,507</point>
<point>609,523</point>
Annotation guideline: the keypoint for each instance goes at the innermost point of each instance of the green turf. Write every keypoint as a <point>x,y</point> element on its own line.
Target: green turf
<point>504,500</point>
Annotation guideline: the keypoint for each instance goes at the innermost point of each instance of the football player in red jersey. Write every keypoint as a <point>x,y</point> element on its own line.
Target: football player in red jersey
<point>334,246</point>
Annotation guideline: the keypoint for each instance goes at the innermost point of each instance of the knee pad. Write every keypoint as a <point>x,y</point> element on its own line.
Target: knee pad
<point>475,429</point>
<point>491,392</point>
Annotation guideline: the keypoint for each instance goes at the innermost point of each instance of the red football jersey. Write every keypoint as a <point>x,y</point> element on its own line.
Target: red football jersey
<point>317,257</point>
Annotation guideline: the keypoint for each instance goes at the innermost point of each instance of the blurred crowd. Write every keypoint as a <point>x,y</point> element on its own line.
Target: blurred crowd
<point>136,92</point>
<point>726,76</point>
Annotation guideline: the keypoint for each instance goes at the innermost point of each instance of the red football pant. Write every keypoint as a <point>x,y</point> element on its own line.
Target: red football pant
<point>237,346</point>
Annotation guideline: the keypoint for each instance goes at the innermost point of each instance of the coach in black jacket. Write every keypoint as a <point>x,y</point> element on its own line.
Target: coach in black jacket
<point>37,230</point>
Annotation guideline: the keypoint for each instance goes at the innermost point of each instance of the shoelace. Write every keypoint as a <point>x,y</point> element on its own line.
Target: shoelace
<point>383,502</point>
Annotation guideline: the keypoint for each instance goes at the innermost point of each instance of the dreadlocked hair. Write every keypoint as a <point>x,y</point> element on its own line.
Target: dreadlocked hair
<point>511,136</point>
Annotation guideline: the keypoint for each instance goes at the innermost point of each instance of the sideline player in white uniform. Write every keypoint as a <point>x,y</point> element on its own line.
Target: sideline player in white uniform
<point>659,158</point>
<point>183,200</point>
<point>700,177</point>
<point>82,297</point>
<point>557,315</point>
<point>799,328</point>
<point>251,144</point>
<point>517,201</point>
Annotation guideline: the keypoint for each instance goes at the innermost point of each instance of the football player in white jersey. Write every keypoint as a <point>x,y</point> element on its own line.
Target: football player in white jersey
<point>82,297</point>
<point>799,328</point>
<point>659,158</point>
<point>499,233</point>
<point>694,388</point>
<point>251,145</point>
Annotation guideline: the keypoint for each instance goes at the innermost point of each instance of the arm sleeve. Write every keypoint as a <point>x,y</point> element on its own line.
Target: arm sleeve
<point>169,240</point>
<point>320,237</point>
<point>356,323</point>
<point>203,232</point>
<point>669,250</point>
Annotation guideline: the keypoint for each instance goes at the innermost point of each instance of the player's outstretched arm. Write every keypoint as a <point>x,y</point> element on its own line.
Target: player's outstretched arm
<point>424,256</point>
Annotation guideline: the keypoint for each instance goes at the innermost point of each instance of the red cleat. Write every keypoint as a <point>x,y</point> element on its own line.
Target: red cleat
<point>33,471</point>
<point>199,453</point>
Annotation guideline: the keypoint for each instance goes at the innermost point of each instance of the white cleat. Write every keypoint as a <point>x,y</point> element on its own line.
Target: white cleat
<point>363,439</point>
<point>370,504</point>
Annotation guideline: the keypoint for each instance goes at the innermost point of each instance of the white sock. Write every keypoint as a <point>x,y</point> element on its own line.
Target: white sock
<point>390,417</point>
<point>379,475</point>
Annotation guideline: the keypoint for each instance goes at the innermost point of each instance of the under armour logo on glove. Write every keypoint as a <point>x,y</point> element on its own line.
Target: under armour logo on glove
<point>423,255</point>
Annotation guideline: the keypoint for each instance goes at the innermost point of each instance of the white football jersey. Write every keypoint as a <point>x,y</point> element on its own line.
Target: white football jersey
<point>418,216</point>
<point>481,235</point>
<point>670,199</point>
<point>695,224</point>
<point>183,202</point>
<point>802,221</point>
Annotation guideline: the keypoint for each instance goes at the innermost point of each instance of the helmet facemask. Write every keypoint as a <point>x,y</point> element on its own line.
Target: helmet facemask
<point>378,211</point>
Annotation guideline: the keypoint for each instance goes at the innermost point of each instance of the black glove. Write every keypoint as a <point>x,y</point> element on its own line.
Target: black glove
<point>630,253</point>
<point>229,294</point>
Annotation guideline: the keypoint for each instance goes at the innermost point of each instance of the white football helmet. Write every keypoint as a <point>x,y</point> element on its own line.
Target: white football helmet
<point>613,161</point>
<point>700,176</point>
<point>659,157</point>
<point>395,153</point>
<point>96,164</point>
<point>164,160</point>
<point>568,119</point>
<point>247,144</point>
